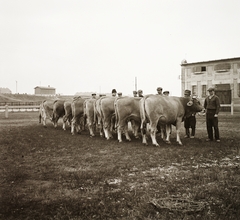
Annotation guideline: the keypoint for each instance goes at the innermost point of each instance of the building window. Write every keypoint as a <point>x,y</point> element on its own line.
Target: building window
<point>204,91</point>
<point>194,90</point>
<point>199,69</point>
<point>222,67</point>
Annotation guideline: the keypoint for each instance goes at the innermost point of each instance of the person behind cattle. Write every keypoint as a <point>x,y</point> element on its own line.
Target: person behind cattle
<point>166,93</point>
<point>190,120</point>
<point>212,106</point>
<point>159,90</point>
<point>119,94</point>
<point>114,92</point>
<point>94,96</point>
<point>140,93</point>
<point>134,93</point>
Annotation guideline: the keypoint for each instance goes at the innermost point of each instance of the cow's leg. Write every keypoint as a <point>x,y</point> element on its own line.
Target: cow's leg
<point>153,130</point>
<point>106,129</point>
<point>126,131</point>
<point>90,127</point>
<point>144,131</point>
<point>64,122</point>
<point>178,125</point>
<point>73,126</point>
<point>119,133</point>
<point>44,118</point>
<point>168,132</point>
<point>55,122</point>
<point>135,128</point>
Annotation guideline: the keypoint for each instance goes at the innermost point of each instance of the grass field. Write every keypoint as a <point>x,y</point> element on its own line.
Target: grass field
<point>47,173</point>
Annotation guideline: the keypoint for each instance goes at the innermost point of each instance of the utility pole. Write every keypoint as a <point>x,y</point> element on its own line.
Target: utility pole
<point>135,83</point>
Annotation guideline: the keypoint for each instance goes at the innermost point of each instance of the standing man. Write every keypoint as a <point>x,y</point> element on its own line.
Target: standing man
<point>114,92</point>
<point>94,96</point>
<point>159,91</point>
<point>166,93</point>
<point>119,94</point>
<point>134,93</point>
<point>212,106</point>
<point>140,93</point>
<point>190,120</point>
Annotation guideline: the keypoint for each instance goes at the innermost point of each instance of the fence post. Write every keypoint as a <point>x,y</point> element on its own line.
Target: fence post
<point>6,111</point>
<point>232,106</point>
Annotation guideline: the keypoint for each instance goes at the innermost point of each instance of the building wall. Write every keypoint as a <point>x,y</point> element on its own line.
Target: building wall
<point>222,74</point>
<point>45,91</point>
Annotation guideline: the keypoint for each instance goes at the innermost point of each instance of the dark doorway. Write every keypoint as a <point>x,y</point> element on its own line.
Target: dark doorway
<point>225,97</point>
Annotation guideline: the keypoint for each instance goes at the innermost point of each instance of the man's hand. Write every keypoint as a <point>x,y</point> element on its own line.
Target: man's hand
<point>216,115</point>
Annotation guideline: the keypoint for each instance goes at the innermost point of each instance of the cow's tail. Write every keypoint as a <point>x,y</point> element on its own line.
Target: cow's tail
<point>143,116</point>
<point>116,113</point>
<point>95,113</point>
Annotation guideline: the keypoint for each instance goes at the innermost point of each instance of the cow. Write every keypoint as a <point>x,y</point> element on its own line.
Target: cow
<point>127,109</point>
<point>107,113</point>
<point>166,110</point>
<point>58,111</point>
<point>46,111</point>
<point>68,114</point>
<point>89,115</point>
<point>77,114</point>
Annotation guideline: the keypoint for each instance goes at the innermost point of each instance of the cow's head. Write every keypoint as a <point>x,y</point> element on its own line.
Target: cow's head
<point>194,105</point>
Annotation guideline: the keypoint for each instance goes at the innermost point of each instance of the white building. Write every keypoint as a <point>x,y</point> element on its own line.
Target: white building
<point>222,74</point>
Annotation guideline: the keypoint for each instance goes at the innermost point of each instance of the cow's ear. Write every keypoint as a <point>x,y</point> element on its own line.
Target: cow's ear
<point>190,103</point>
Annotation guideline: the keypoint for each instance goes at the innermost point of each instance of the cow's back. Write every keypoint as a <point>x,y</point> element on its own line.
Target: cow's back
<point>168,108</point>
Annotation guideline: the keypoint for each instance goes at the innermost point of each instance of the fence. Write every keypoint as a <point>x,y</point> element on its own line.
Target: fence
<point>19,108</point>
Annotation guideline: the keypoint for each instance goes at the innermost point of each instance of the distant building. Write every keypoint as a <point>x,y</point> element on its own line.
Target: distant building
<point>222,74</point>
<point>5,91</point>
<point>45,91</point>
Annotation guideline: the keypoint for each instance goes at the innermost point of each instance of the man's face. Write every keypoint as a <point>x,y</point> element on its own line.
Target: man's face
<point>159,91</point>
<point>211,92</point>
<point>113,94</point>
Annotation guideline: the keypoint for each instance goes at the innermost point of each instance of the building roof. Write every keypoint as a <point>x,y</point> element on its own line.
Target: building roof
<point>44,87</point>
<point>211,61</point>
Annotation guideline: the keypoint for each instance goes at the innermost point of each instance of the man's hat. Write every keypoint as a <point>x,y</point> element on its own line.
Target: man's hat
<point>139,91</point>
<point>114,91</point>
<point>159,88</point>
<point>94,94</point>
<point>166,92</point>
<point>134,92</point>
<point>211,89</point>
<point>187,92</point>
<point>119,93</point>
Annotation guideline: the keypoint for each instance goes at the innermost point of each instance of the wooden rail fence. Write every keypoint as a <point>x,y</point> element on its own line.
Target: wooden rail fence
<point>12,108</point>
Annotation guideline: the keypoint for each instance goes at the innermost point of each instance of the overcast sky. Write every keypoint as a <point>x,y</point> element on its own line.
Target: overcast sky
<point>97,45</point>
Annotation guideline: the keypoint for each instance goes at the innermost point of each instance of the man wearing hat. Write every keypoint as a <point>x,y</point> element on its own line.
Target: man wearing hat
<point>114,92</point>
<point>119,94</point>
<point>94,96</point>
<point>140,93</point>
<point>159,90</point>
<point>134,93</point>
<point>166,93</point>
<point>212,107</point>
<point>190,120</point>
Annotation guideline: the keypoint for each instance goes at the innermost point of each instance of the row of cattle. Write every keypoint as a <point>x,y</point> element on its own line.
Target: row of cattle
<point>107,114</point>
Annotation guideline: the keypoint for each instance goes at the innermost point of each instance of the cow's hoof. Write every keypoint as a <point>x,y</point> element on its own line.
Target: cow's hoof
<point>180,143</point>
<point>168,142</point>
